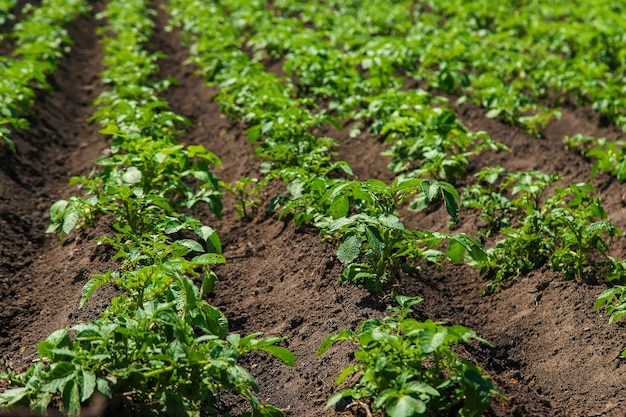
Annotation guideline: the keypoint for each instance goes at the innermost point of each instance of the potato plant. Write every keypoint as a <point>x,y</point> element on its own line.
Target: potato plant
<point>566,229</point>
<point>409,368</point>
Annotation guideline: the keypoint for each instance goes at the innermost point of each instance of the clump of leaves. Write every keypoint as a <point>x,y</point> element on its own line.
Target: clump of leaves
<point>362,218</point>
<point>154,357</point>
<point>501,195</point>
<point>567,231</point>
<point>409,368</point>
<point>247,191</point>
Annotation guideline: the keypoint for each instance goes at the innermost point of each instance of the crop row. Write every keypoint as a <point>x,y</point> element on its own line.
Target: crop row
<point>158,341</point>
<point>567,229</point>
<point>40,41</point>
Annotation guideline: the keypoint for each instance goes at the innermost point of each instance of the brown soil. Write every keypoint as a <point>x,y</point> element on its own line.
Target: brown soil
<point>552,354</point>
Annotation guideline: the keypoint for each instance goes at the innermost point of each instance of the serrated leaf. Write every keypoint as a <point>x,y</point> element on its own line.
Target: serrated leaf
<point>349,249</point>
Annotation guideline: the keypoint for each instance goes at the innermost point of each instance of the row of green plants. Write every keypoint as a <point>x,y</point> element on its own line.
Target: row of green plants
<point>608,156</point>
<point>41,40</point>
<point>569,231</point>
<point>426,138</point>
<point>361,217</point>
<point>522,60</point>
<point>159,348</point>
<point>565,228</point>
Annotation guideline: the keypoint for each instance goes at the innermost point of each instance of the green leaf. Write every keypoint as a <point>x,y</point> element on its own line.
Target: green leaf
<point>346,373</point>
<point>132,176</point>
<point>331,340</point>
<point>104,387</point>
<point>339,207</point>
<point>190,244</point>
<point>88,289</point>
<point>338,397</point>
<point>111,129</point>
<point>57,209</point>
<point>420,387</point>
<point>375,240</point>
<point>209,259</point>
<point>62,370</point>
<point>405,406</point>
<point>87,383</point>
<point>70,221</point>
<point>493,113</point>
<point>13,396</point>
<point>349,249</point>
<point>391,221</point>
<point>431,339</point>
<point>455,251</point>
<point>451,205</point>
<point>281,353</point>
<point>208,283</point>
<point>71,399</point>
<point>408,302</point>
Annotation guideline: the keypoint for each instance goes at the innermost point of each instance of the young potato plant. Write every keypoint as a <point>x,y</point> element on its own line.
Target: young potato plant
<point>409,368</point>
<point>363,217</point>
<point>151,358</point>
<point>525,190</point>
<point>568,231</point>
<point>247,191</point>
<point>427,139</point>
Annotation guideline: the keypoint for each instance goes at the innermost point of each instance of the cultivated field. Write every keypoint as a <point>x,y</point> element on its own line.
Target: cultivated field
<point>312,208</point>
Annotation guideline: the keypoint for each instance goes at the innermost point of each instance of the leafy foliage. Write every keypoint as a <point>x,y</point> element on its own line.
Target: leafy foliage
<point>409,368</point>
<point>41,38</point>
<point>566,229</point>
